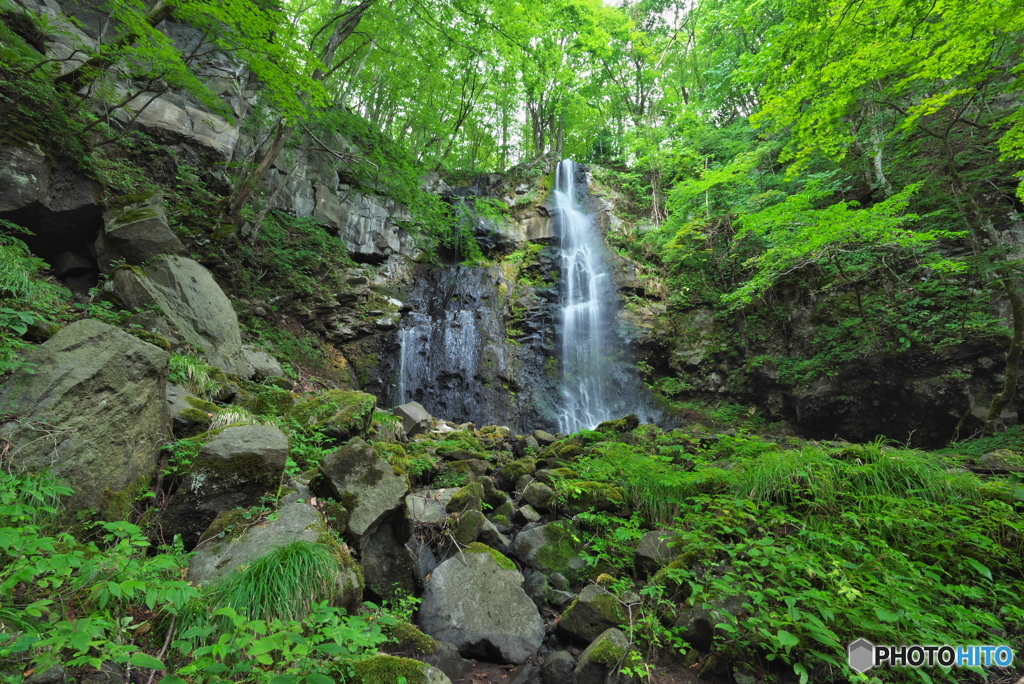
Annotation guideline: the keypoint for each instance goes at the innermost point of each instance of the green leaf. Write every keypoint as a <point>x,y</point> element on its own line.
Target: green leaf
<point>979,568</point>
<point>886,615</point>
<point>146,660</point>
<point>787,640</point>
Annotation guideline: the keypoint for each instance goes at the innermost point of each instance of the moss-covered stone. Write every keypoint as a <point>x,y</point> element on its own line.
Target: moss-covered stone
<point>516,469</point>
<point>500,558</point>
<point>407,638</point>
<point>469,497</point>
<point>468,527</point>
<point>229,523</point>
<point>336,516</point>
<point>620,425</point>
<point>579,496</point>
<point>117,506</point>
<point>608,654</point>
<point>385,669</point>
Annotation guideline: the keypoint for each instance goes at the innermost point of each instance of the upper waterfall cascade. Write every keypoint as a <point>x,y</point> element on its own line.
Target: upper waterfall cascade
<point>598,382</point>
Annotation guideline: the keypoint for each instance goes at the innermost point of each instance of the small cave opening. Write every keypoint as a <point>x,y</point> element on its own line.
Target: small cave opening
<point>66,240</point>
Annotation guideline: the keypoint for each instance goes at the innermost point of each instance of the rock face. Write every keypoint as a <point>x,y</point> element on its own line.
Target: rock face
<point>480,606</point>
<point>234,469</point>
<point>458,360</point>
<point>193,302</point>
<point>93,410</point>
<point>58,205</point>
<point>339,414</point>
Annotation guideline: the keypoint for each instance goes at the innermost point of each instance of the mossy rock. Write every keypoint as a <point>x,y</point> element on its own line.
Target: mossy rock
<point>468,527</point>
<point>474,467</point>
<point>385,669</point>
<point>336,516</point>
<point>406,637</point>
<point>469,497</point>
<point>228,523</point>
<point>395,454</point>
<point>339,414</point>
<point>620,425</point>
<point>579,496</point>
<point>511,472</point>
<point>271,401</point>
<point>594,611</point>
<point>499,558</point>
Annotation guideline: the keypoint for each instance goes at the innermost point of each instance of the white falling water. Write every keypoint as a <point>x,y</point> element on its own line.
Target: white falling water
<point>587,313</point>
<point>403,350</point>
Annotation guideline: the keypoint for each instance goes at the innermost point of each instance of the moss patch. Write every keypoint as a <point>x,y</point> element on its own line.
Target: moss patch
<point>467,498</point>
<point>385,669</point>
<point>408,638</point>
<point>116,506</point>
<point>608,654</point>
<point>500,558</point>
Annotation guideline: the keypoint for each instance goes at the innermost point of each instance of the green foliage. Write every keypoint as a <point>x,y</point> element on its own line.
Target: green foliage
<point>68,601</point>
<point>195,375</point>
<point>25,299</point>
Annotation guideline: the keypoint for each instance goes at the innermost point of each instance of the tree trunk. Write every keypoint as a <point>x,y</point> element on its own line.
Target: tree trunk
<point>1009,391</point>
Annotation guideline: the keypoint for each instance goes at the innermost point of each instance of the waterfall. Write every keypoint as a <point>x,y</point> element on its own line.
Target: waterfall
<point>598,383</point>
<point>403,350</point>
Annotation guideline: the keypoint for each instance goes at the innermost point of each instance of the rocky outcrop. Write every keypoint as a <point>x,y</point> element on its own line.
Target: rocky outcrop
<point>234,469</point>
<point>92,410</point>
<point>338,414</point>
<point>475,600</point>
<point>194,304</point>
<point>58,205</point>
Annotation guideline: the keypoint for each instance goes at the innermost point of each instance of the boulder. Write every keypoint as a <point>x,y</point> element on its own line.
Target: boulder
<point>696,626</point>
<point>232,542</point>
<point>234,469</point>
<point>540,496</point>
<point>366,484</point>
<point>558,668</point>
<point>600,662</point>
<point>476,601</point>
<point>93,410</point>
<point>555,547</point>
<point>192,301</point>
<point>427,506</point>
<point>188,412</point>
<point>544,438</point>
<point>261,364</point>
<point>653,551</point>
<point>447,659</point>
<point>135,229</point>
<point>415,419</point>
<point>468,526</point>
<point>593,611</point>
<point>374,492</point>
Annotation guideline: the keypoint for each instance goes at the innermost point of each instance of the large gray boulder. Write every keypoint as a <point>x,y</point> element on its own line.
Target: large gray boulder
<point>476,601</point>
<point>233,542</point>
<point>654,551</point>
<point>93,411</point>
<point>193,302</point>
<point>234,469</point>
<point>136,230</point>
